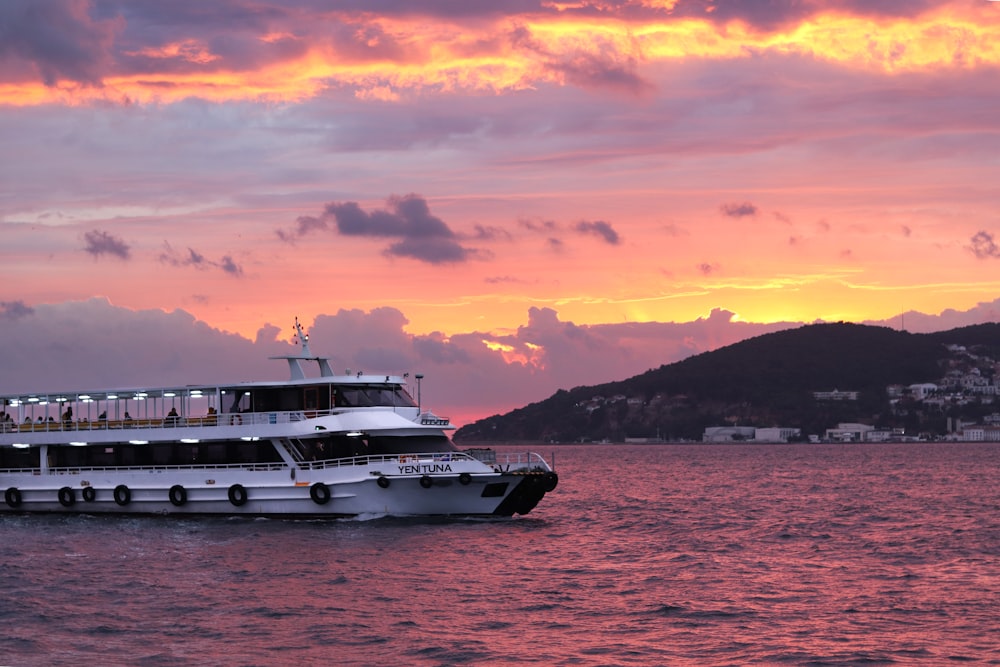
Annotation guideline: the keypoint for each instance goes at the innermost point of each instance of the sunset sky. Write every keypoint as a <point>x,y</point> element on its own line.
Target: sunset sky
<point>515,197</point>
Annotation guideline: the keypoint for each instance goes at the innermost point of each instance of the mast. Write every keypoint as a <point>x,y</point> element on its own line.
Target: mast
<point>294,367</point>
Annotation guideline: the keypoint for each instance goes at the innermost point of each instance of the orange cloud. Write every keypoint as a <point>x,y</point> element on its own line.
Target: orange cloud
<point>189,50</point>
<point>525,52</point>
<point>527,354</point>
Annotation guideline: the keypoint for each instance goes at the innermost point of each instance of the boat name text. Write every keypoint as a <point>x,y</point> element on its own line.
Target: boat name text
<point>424,468</point>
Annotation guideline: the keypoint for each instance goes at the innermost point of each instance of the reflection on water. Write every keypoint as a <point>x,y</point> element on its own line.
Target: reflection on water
<point>671,554</point>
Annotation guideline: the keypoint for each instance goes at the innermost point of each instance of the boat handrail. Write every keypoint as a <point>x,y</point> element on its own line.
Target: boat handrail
<point>424,457</point>
<point>395,459</point>
<point>505,462</point>
<point>156,423</point>
<point>74,470</point>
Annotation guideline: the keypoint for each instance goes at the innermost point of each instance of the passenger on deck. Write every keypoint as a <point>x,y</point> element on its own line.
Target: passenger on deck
<point>128,417</point>
<point>67,418</point>
<point>172,418</point>
<point>211,418</point>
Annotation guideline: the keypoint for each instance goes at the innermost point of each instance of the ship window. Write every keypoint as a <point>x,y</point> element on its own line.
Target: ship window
<point>129,456</point>
<point>404,399</point>
<point>310,398</point>
<point>256,452</point>
<point>285,399</point>
<point>213,454</point>
<point>17,458</point>
<point>361,397</point>
<point>410,444</point>
<point>162,454</point>
<point>101,456</point>
<point>69,457</point>
<point>354,398</point>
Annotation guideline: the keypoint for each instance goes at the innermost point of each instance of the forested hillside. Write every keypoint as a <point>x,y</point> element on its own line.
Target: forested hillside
<point>765,381</point>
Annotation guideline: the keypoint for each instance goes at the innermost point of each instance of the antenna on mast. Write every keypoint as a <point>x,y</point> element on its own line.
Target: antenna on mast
<point>303,338</point>
<point>293,360</point>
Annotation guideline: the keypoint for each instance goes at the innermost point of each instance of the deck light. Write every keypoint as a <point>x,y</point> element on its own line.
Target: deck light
<point>138,442</point>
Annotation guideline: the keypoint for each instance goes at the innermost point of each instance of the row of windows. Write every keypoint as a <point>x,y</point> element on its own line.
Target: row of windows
<point>107,456</point>
<point>216,453</point>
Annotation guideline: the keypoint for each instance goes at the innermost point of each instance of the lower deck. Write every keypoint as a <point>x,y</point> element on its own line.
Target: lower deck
<point>438,483</point>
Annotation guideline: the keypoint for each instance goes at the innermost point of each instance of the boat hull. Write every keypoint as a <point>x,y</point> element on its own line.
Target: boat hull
<point>328,493</point>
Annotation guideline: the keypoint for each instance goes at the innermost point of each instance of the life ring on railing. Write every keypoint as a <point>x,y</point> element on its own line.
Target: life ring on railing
<point>383,482</point>
<point>237,495</point>
<point>123,495</point>
<point>320,493</point>
<point>178,495</point>
<point>426,482</point>
<point>464,478</point>
<point>236,420</point>
<point>67,497</point>
<point>12,497</point>
<point>89,494</point>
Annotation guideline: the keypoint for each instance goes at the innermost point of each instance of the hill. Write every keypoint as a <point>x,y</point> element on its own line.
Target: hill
<point>765,381</point>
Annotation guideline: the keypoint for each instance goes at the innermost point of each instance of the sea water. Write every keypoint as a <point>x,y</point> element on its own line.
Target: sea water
<point>644,555</point>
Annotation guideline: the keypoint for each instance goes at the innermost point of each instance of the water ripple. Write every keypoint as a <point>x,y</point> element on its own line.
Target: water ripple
<point>685,555</point>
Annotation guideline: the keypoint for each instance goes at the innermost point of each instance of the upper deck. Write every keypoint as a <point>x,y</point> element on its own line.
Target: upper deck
<point>208,406</point>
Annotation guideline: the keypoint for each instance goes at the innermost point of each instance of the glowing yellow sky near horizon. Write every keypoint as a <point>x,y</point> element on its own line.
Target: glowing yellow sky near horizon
<point>526,51</point>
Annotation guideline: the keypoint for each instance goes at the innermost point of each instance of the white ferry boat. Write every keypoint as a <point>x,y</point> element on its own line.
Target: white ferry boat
<point>325,446</point>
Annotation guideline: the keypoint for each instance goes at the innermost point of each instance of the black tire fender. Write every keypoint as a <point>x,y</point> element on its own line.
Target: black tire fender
<point>89,494</point>
<point>320,493</point>
<point>383,482</point>
<point>238,495</point>
<point>464,478</point>
<point>178,495</point>
<point>426,482</point>
<point>67,497</point>
<point>123,495</point>
<point>12,497</point>
<point>550,481</point>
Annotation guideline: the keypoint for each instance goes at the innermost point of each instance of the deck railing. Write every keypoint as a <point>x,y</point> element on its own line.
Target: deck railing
<point>206,421</point>
<point>504,462</point>
<point>394,459</point>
